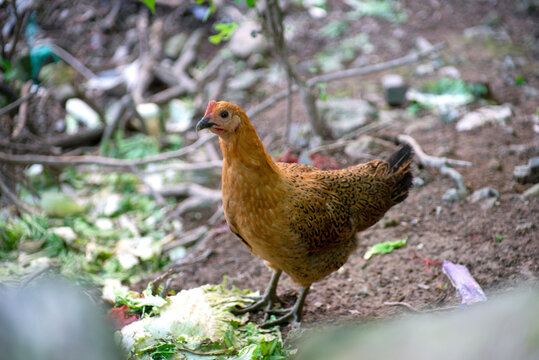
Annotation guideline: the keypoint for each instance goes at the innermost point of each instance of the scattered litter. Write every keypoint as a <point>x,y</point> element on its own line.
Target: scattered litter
<point>488,114</point>
<point>427,262</point>
<point>199,321</point>
<point>466,286</point>
<point>58,204</point>
<point>385,247</point>
<point>483,193</point>
<point>527,173</point>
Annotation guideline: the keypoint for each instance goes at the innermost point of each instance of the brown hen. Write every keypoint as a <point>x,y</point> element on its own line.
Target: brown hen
<point>299,219</point>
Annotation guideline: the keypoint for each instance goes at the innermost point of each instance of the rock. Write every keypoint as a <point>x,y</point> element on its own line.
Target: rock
<point>174,45</point>
<point>394,89</point>
<point>345,115</point>
<point>531,192</point>
<point>245,79</point>
<point>418,182</point>
<point>300,135</point>
<point>485,115</point>
<point>243,44</point>
<point>181,113</point>
<point>315,8</point>
<point>63,92</point>
<point>111,82</point>
<point>104,223</point>
<point>83,113</point>
<point>449,71</point>
<point>357,148</point>
<point>526,174</point>
<point>488,203</point>
<point>494,165</point>
<point>422,44</point>
<point>111,204</point>
<point>451,195</point>
<point>424,69</point>
<point>524,228</point>
<point>151,113</point>
<point>483,193</point>
<point>65,232</point>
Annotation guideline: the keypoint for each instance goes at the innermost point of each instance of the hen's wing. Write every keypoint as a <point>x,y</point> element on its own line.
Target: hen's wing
<point>329,207</point>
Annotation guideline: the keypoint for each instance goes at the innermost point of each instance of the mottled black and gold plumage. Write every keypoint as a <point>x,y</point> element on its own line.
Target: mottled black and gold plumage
<point>299,219</point>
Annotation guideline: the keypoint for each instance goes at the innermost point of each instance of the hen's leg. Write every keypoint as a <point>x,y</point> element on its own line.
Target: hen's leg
<point>292,314</point>
<point>269,297</point>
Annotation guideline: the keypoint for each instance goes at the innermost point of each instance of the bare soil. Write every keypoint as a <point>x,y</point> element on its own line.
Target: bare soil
<point>462,232</point>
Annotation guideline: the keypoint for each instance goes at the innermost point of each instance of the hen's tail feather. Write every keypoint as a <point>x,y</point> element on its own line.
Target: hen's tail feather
<point>399,166</point>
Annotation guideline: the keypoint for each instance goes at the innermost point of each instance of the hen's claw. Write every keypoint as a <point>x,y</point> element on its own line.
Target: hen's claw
<point>292,314</point>
<point>264,302</point>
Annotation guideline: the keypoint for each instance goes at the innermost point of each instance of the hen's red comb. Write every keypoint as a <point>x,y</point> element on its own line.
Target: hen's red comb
<point>211,105</point>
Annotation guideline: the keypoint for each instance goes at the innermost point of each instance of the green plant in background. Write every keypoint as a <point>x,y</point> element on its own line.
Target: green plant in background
<point>385,9</point>
<point>335,29</point>
<point>134,147</point>
<point>225,32</point>
<point>452,86</point>
<point>150,4</point>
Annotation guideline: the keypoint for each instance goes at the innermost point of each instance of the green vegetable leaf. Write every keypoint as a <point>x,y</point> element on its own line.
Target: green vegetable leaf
<point>384,247</point>
<point>225,32</point>
<point>150,4</point>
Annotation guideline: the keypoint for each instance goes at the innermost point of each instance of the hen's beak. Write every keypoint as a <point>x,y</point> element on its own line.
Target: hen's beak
<point>205,123</point>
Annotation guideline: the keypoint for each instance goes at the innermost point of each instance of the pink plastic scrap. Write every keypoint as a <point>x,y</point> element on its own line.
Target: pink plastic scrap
<point>467,287</point>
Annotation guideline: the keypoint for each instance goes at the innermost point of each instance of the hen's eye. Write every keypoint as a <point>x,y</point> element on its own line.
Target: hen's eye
<point>224,114</point>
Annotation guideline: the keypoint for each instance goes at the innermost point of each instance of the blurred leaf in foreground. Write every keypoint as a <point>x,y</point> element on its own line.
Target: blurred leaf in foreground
<point>384,247</point>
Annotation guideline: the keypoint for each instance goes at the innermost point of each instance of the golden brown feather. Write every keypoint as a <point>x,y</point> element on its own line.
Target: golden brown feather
<point>299,219</point>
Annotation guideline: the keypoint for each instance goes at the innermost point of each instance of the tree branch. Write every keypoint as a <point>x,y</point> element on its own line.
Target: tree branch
<point>343,74</point>
<point>99,160</point>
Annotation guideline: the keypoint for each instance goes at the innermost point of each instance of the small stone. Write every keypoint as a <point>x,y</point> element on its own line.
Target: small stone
<point>423,286</point>
<point>424,69</point>
<point>531,192</point>
<point>82,112</point>
<point>364,291</point>
<point>451,195</point>
<point>104,223</point>
<point>483,193</point>
<point>527,174</point>
<point>449,71</point>
<point>438,211</point>
<point>243,44</point>
<point>494,165</point>
<point>488,203</point>
<point>174,45</point>
<point>422,44</point>
<point>357,148</point>
<point>65,233</point>
<point>418,182</point>
<point>482,116</point>
<point>245,80</point>
<point>524,228</point>
<point>345,115</point>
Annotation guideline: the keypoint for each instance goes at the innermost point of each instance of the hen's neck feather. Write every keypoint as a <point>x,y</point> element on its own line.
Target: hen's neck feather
<point>244,147</point>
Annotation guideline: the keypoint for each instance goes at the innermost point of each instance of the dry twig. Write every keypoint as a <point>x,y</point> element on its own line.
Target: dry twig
<point>344,74</point>
<point>441,163</point>
<point>29,159</point>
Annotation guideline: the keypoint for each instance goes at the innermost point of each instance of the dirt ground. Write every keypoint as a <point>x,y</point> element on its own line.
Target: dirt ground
<point>461,232</point>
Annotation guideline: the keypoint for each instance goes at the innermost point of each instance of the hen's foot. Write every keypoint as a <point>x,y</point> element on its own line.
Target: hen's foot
<point>292,314</point>
<point>264,302</point>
